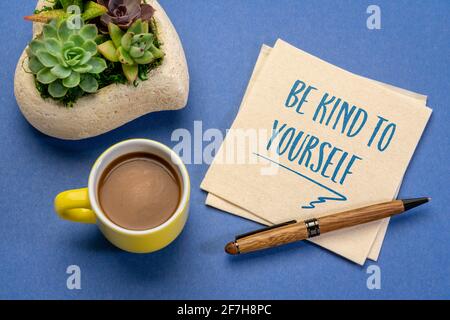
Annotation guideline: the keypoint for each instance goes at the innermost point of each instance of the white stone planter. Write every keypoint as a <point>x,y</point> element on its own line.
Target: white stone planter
<point>111,107</point>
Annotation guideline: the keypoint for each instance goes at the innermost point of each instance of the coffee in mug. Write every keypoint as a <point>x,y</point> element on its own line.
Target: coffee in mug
<point>138,194</point>
<point>139,191</point>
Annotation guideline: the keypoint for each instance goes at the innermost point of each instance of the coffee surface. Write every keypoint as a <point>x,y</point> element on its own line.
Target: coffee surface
<point>139,191</point>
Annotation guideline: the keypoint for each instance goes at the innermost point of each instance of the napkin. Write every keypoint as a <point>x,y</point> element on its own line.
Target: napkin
<point>382,147</point>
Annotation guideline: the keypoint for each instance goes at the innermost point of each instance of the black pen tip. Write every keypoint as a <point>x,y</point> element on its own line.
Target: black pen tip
<point>412,203</point>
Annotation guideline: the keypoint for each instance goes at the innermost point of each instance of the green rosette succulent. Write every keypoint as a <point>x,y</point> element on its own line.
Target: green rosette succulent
<point>135,47</point>
<point>65,58</point>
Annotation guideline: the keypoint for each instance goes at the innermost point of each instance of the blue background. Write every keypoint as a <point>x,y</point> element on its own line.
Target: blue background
<point>222,40</point>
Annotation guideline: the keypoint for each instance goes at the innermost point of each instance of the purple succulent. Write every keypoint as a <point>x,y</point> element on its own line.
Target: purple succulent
<point>124,12</point>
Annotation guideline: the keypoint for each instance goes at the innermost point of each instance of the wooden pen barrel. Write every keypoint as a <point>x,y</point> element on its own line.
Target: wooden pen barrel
<point>356,217</point>
<point>273,238</point>
<point>299,231</point>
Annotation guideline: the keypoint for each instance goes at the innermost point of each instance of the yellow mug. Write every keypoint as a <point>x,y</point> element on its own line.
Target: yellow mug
<point>82,205</point>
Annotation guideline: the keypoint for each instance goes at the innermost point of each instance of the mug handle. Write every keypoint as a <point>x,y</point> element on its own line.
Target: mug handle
<point>74,205</point>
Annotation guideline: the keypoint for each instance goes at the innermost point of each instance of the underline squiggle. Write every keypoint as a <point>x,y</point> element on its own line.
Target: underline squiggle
<point>320,199</point>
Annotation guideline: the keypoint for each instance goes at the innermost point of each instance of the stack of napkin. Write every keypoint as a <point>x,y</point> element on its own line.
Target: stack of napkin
<point>312,139</point>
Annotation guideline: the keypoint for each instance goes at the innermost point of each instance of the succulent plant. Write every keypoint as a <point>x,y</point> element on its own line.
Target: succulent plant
<point>67,3</point>
<point>132,48</point>
<point>90,10</point>
<point>65,58</point>
<point>123,13</point>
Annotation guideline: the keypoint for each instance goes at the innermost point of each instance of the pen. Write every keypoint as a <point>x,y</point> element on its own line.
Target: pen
<point>293,231</point>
